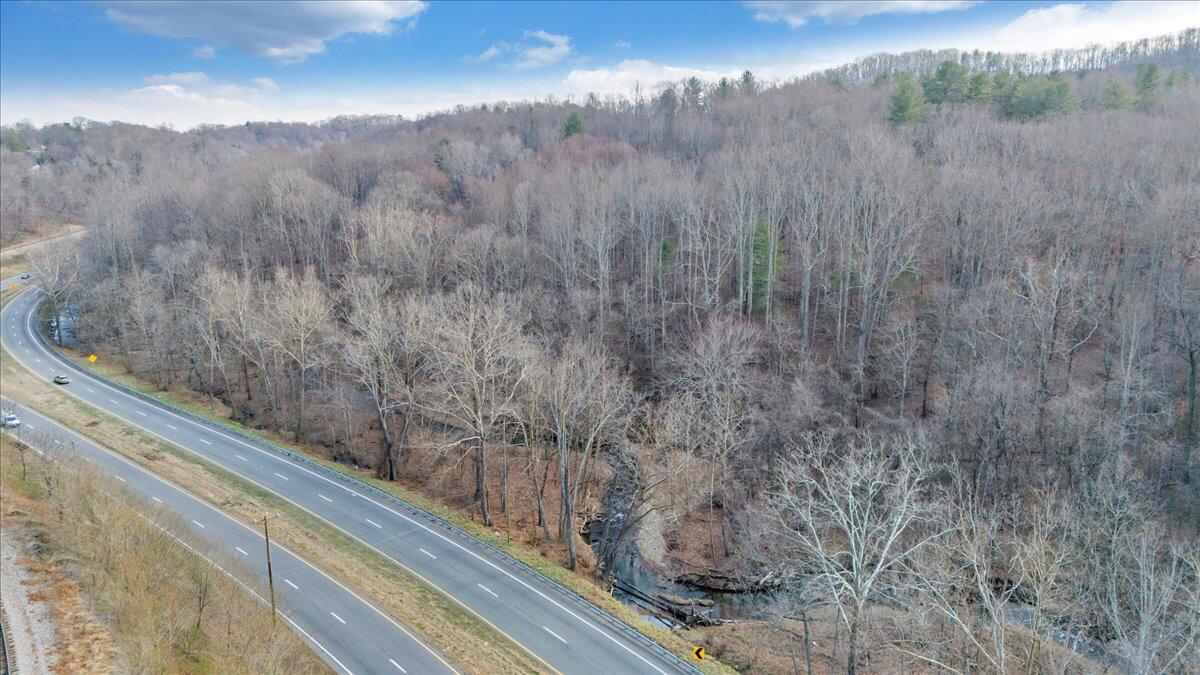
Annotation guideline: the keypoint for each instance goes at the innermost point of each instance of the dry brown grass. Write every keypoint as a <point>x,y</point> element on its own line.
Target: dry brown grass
<point>466,641</point>
<point>126,597</point>
<point>515,533</point>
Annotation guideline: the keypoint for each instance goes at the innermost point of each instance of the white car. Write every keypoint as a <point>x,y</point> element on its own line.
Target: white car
<point>11,421</point>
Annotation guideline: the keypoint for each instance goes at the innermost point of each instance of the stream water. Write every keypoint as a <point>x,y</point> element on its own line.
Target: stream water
<point>641,586</point>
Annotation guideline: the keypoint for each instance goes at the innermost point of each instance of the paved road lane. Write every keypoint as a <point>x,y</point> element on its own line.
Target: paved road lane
<point>347,631</point>
<point>553,624</point>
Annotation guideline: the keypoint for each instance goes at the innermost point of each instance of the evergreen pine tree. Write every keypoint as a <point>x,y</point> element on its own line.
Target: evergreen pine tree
<point>1116,96</point>
<point>908,103</point>
<point>1147,83</point>
<point>982,88</point>
<point>574,125</point>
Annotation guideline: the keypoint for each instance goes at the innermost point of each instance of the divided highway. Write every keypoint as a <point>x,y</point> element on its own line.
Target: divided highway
<point>349,633</point>
<point>559,628</point>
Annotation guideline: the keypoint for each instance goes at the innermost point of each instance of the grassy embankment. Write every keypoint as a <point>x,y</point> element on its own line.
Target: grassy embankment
<point>125,596</point>
<point>209,408</point>
<point>466,641</point>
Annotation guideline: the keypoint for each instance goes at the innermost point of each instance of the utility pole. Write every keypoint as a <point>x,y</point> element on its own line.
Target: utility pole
<point>270,575</point>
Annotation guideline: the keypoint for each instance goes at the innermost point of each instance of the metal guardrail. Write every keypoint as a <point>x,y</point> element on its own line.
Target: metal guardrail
<point>466,538</point>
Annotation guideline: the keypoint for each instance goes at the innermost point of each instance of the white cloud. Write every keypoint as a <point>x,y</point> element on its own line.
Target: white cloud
<point>1072,25</point>
<point>796,13</point>
<point>205,52</point>
<point>555,48</point>
<point>622,44</point>
<point>548,49</point>
<point>496,50</point>
<point>188,78</point>
<point>288,32</point>
<point>265,84</point>
<point>631,75</point>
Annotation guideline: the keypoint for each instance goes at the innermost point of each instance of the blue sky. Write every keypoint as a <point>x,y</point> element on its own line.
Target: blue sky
<point>187,63</point>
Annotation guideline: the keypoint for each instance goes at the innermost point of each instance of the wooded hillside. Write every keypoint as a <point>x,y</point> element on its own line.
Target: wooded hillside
<point>926,347</point>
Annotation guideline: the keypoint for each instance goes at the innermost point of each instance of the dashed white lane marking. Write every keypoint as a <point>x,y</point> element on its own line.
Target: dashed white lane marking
<point>242,458</point>
<point>427,553</point>
<point>398,666</point>
<point>281,476</point>
<point>121,479</point>
<point>239,550</point>
<point>39,360</point>
<point>29,426</point>
<point>114,401</point>
<point>289,583</point>
<point>205,442</point>
<point>338,618</point>
<point>140,413</point>
<point>88,460</point>
<point>157,499</point>
<point>173,427</point>
<point>90,390</point>
<point>198,523</point>
<point>324,497</point>
<point>488,590</point>
<point>554,634</point>
<point>374,523</point>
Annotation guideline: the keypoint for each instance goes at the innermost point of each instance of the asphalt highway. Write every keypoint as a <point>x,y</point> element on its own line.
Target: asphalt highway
<point>554,625</point>
<point>348,632</point>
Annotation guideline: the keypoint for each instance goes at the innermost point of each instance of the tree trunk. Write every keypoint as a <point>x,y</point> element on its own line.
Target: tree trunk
<point>567,516</point>
<point>1190,440</point>
<point>481,492</point>
<point>504,481</point>
<point>852,649</point>
<point>300,410</point>
<point>387,461</point>
<point>807,644</point>
<point>246,379</point>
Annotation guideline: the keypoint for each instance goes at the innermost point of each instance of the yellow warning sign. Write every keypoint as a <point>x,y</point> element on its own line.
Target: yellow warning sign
<point>91,358</point>
<point>698,653</point>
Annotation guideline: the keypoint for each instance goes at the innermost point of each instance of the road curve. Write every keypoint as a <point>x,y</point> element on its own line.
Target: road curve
<point>30,245</point>
<point>346,630</point>
<point>556,626</point>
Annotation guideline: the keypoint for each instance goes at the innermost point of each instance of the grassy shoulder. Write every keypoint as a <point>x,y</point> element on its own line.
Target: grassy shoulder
<point>41,232</point>
<point>469,643</point>
<point>13,264</point>
<point>128,598</point>
<point>210,409</point>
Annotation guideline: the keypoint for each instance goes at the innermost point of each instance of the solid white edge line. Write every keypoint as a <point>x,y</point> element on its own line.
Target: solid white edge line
<point>29,328</point>
<point>213,427</point>
<point>235,579</point>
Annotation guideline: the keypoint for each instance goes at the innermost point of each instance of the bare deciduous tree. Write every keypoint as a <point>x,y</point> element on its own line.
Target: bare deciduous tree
<point>857,513</point>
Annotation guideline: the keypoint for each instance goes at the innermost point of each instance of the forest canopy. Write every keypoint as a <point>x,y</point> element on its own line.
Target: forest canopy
<point>731,306</point>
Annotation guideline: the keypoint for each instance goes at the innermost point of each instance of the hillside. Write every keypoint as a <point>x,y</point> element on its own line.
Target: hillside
<point>722,332</point>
